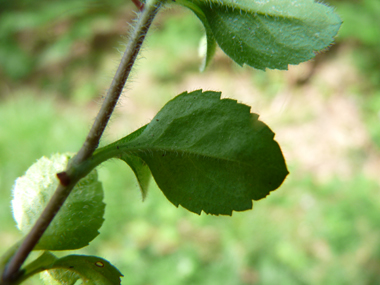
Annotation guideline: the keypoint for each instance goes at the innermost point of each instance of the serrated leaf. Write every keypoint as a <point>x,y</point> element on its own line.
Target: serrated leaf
<point>208,154</point>
<point>77,222</point>
<point>92,270</point>
<point>268,33</point>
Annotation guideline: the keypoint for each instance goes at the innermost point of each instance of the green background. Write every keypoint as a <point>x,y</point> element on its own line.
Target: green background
<point>321,227</point>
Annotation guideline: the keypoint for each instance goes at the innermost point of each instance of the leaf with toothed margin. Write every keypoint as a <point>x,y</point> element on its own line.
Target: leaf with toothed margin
<point>78,221</point>
<point>209,154</point>
<point>267,33</point>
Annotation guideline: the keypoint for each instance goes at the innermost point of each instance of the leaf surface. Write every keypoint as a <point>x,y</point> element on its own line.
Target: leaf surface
<point>139,167</point>
<point>207,48</point>
<point>59,277</point>
<point>268,33</point>
<point>79,219</point>
<point>92,270</point>
<point>208,154</point>
<point>52,276</point>
<point>208,52</point>
<point>68,270</point>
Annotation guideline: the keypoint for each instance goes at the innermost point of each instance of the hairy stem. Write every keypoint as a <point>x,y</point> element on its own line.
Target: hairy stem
<point>136,39</point>
<point>73,174</point>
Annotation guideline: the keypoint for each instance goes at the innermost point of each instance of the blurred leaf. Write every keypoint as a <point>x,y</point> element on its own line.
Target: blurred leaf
<point>268,34</point>
<point>15,62</point>
<point>92,270</point>
<point>36,35</point>
<point>68,270</point>
<point>59,276</point>
<point>208,154</point>
<point>362,21</point>
<point>79,219</point>
<point>53,276</point>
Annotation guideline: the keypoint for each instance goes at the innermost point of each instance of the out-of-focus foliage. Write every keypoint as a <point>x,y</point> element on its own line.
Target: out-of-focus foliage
<point>48,42</point>
<point>41,39</point>
<point>311,231</point>
<point>361,20</point>
<point>361,30</point>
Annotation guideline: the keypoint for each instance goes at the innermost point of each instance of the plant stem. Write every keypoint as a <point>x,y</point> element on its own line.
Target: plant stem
<point>12,270</point>
<point>72,175</point>
<point>136,39</point>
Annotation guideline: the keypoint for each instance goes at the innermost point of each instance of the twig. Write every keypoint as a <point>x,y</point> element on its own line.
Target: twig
<point>72,175</point>
<point>136,39</point>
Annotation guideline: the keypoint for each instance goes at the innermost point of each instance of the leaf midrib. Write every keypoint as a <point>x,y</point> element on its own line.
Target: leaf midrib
<point>134,150</point>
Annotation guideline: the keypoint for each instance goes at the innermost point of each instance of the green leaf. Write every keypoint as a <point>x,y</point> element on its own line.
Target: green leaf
<point>207,48</point>
<point>268,33</point>
<point>45,260</point>
<point>79,219</point>
<point>51,277</point>
<point>68,270</point>
<point>59,277</point>
<point>92,270</point>
<point>208,154</point>
<point>208,52</point>
<point>139,167</point>
<point>141,171</point>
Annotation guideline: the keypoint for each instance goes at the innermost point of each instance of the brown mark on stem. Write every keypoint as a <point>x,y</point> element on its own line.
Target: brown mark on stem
<point>64,178</point>
<point>138,4</point>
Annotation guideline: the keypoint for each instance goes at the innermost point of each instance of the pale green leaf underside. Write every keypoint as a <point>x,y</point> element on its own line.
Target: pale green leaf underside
<point>77,222</point>
<point>208,154</point>
<point>59,277</point>
<point>52,276</point>
<point>268,33</point>
<point>207,50</point>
